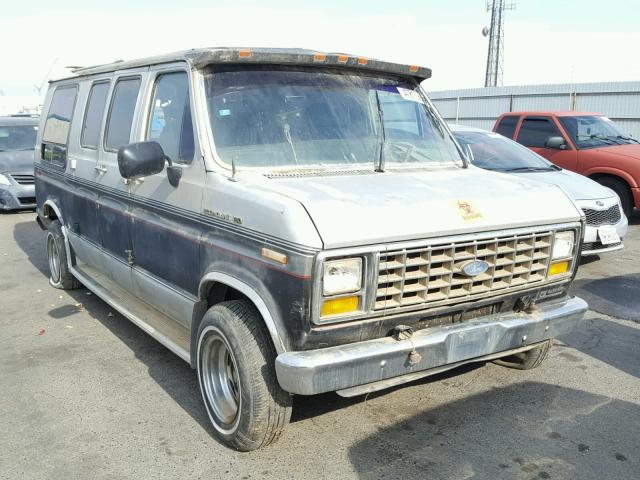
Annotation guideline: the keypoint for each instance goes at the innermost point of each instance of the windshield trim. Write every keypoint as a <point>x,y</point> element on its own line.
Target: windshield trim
<point>461,162</point>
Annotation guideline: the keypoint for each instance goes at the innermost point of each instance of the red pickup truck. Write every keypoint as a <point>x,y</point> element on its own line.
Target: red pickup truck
<point>587,143</point>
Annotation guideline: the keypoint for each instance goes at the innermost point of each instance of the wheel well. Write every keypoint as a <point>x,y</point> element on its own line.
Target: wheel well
<point>600,176</point>
<point>219,292</point>
<point>49,213</point>
<point>212,294</point>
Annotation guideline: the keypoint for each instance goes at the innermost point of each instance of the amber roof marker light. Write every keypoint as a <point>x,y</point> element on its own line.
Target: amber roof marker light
<point>319,57</point>
<point>245,53</point>
<point>343,58</point>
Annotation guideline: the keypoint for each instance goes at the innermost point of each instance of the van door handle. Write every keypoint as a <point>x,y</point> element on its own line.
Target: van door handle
<point>100,169</point>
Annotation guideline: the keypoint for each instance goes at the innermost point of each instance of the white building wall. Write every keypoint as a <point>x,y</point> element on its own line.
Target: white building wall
<point>480,107</point>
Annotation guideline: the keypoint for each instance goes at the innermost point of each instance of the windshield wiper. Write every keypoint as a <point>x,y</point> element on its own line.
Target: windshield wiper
<point>381,137</point>
<point>528,169</point>
<point>629,139</point>
<point>605,139</point>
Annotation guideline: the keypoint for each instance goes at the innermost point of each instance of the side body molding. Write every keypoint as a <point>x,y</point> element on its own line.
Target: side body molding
<point>247,290</point>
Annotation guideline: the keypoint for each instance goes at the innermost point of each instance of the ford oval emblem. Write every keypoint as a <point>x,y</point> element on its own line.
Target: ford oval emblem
<point>475,267</point>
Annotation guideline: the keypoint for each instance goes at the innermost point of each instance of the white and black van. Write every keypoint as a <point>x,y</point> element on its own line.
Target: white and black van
<point>296,222</point>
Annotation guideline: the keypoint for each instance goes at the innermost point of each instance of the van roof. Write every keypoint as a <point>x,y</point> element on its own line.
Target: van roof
<point>274,56</point>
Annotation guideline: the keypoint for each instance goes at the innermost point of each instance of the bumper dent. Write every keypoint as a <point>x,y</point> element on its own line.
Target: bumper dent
<point>337,368</point>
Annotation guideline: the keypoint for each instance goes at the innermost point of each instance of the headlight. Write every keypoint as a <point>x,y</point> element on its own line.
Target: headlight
<point>563,245</point>
<point>4,180</point>
<point>342,276</point>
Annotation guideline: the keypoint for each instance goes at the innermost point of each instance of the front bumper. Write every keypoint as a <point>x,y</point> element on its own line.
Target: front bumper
<point>342,367</point>
<point>14,197</point>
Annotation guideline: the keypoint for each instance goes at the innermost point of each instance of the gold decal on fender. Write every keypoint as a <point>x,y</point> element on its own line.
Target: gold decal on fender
<point>467,210</point>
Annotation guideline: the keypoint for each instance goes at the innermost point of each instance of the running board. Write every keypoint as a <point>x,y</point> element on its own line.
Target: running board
<point>161,327</point>
<point>410,377</point>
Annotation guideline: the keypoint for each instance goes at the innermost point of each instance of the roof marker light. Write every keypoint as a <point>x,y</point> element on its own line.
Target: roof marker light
<point>246,53</point>
<point>319,57</point>
<point>413,68</point>
<point>343,58</point>
<point>362,61</point>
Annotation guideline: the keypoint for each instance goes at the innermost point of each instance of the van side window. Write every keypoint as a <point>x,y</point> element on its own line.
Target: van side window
<point>170,120</point>
<point>93,115</point>
<point>56,128</point>
<point>507,126</point>
<point>534,132</point>
<point>123,106</point>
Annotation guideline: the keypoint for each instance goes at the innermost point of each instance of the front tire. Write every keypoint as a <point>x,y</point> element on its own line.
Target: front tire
<point>236,373</point>
<point>527,360</point>
<point>59,274</point>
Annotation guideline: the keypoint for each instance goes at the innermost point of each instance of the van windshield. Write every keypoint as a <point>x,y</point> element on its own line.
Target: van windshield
<point>281,117</point>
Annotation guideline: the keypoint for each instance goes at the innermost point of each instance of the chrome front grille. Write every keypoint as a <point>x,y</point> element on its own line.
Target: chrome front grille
<point>23,179</point>
<point>433,275</point>
<point>596,218</point>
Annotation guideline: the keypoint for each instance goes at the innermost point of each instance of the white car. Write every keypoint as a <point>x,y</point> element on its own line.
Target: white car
<point>606,224</point>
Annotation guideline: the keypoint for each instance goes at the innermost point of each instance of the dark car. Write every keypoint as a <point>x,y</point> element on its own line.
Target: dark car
<point>17,141</point>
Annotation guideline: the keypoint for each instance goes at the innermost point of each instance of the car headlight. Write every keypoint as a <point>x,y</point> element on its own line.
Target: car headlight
<point>4,180</point>
<point>342,276</point>
<point>563,244</point>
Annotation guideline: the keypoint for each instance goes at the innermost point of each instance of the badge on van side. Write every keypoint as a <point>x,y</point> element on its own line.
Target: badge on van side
<point>222,216</point>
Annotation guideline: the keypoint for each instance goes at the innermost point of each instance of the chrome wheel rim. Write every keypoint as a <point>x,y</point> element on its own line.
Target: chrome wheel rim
<point>220,381</point>
<point>54,259</point>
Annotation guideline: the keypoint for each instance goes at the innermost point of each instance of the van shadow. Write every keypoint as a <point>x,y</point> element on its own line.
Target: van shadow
<point>618,296</point>
<point>526,430</point>
<point>170,372</point>
<point>608,341</point>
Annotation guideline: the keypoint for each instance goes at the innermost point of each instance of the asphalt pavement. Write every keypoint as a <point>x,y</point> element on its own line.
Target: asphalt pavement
<point>86,394</point>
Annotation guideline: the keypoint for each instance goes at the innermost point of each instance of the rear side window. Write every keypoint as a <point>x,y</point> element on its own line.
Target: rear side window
<point>170,120</point>
<point>123,106</point>
<point>534,132</point>
<point>93,114</point>
<point>507,126</point>
<point>57,125</point>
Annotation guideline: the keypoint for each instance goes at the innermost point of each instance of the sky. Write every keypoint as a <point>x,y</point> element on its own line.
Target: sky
<point>546,41</point>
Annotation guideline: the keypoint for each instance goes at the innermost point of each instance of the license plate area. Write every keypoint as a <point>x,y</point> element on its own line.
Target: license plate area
<point>608,235</point>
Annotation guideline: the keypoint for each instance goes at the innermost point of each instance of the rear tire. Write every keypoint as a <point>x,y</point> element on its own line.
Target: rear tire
<point>622,190</point>
<point>527,360</point>
<point>59,274</point>
<point>237,377</point>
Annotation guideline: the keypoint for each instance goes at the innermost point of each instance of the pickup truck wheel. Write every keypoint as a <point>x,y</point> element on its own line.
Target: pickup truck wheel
<point>59,275</point>
<point>527,360</point>
<point>622,190</point>
<point>237,377</point>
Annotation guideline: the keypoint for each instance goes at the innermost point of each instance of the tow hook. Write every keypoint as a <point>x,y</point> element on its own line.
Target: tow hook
<point>404,332</point>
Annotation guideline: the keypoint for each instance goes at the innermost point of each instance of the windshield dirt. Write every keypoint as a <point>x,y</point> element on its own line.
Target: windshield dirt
<point>275,117</point>
<point>13,138</point>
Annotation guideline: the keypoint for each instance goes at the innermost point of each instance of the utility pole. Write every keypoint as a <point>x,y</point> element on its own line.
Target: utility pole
<point>495,54</point>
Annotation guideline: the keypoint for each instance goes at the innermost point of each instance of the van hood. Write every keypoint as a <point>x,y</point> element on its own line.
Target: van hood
<point>369,208</point>
<point>17,161</point>
<point>577,186</point>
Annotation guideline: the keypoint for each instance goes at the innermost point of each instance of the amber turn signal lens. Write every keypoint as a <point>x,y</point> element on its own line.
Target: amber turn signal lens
<point>339,305</point>
<point>558,268</point>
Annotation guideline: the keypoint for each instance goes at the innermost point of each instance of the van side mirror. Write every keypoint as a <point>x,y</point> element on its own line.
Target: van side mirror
<point>140,159</point>
<point>557,143</point>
